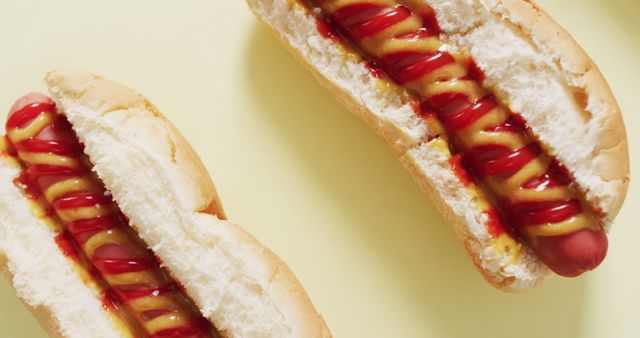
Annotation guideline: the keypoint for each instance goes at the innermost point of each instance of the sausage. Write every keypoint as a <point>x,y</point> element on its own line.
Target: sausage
<point>585,248</point>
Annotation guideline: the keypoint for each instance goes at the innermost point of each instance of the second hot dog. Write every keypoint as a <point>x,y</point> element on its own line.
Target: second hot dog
<point>459,117</point>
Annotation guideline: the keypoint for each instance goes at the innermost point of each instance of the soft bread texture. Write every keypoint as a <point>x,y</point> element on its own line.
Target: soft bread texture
<point>161,185</point>
<point>539,70</point>
<point>545,58</point>
<point>40,273</point>
<point>432,171</point>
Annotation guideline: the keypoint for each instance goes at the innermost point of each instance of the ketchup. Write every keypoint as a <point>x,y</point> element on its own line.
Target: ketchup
<point>326,30</point>
<point>96,231</point>
<point>495,147</point>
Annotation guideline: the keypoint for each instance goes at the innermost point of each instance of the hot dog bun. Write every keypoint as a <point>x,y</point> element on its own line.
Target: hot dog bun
<point>161,185</point>
<point>528,61</point>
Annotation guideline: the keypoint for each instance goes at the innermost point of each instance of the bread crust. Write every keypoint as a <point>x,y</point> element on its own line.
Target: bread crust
<point>289,291</point>
<point>98,99</point>
<point>44,315</point>
<point>106,96</point>
<point>611,151</point>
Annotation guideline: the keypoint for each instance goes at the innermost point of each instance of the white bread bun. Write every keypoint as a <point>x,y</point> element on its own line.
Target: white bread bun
<point>529,62</point>
<point>39,271</point>
<point>161,185</point>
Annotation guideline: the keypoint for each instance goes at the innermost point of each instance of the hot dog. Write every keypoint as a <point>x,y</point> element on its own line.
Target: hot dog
<point>111,270</point>
<point>433,78</point>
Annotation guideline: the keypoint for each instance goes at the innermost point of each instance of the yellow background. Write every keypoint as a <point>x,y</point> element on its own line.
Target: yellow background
<point>313,182</point>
